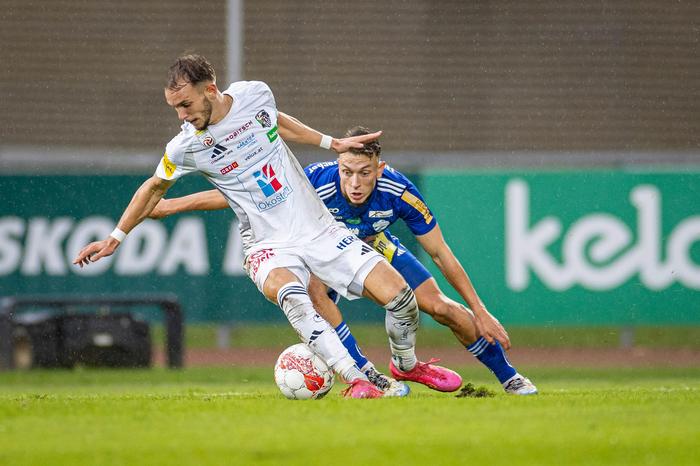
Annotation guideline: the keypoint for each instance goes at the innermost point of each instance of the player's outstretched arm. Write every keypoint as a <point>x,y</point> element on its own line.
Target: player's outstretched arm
<point>205,200</point>
<point>293,130</point>
<point>144,200</point>
<point>434,244</point>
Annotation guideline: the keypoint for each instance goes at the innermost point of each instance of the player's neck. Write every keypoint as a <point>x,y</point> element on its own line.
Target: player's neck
<point>220,108</point>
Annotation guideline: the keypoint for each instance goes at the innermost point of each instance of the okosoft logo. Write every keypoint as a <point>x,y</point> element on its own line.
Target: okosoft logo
<point>599,251</point>
<point>275,193</point>
<point>267,181</point>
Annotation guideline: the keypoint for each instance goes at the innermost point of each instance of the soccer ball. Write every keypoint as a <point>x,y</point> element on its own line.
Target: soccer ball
<point>302,375</point>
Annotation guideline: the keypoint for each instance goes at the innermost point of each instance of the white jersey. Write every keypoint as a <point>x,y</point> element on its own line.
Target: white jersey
<point>245,159</point>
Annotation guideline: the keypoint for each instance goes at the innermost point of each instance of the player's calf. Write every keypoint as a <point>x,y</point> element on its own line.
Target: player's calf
<point>401,324</point>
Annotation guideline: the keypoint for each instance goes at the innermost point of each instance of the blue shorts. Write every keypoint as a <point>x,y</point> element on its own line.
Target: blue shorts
<point>410,267</point>
<point>404,262</point>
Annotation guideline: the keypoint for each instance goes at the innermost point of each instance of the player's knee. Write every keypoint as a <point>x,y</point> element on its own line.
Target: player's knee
<point>403,304</point>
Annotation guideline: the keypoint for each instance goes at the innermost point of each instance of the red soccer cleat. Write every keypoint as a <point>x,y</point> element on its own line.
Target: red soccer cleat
<point>438,378</point>
<point>360,388</point>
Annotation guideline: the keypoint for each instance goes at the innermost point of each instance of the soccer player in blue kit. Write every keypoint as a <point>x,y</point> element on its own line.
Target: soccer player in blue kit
<point>368,196</point>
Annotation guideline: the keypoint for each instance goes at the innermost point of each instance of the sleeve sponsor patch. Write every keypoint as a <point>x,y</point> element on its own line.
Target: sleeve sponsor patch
<point>417,204</point>
<point>168,167</point>
<point>384,246</point>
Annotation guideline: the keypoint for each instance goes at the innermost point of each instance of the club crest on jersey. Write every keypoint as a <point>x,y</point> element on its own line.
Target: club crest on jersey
<point>380,225</point>
<point>264,119</point>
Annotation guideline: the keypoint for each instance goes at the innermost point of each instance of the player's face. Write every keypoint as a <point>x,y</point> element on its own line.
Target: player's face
<point>358,176</point>
<point>191,104</point>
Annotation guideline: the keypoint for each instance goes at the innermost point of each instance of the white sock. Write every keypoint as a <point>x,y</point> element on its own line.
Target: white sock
<point>315,331</point>
<point>366,367</point>
<point>401,325</point>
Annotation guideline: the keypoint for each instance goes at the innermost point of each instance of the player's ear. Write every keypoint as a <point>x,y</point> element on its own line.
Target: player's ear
<point>210,91</point>
<point>380,168</point>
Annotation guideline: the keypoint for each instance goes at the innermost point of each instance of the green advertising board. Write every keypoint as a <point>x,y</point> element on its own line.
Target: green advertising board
<point>45,220</point>
<point>593,247</point>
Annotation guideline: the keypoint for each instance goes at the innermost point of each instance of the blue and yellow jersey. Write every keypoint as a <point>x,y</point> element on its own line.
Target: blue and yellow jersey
<point>394,197</point>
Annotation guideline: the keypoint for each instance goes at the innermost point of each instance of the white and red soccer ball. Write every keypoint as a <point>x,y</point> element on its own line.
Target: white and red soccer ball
<point>302,375</point>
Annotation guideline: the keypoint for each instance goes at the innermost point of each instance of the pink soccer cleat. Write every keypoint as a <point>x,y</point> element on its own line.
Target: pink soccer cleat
<point>360,388</point>
<point>438,378</point>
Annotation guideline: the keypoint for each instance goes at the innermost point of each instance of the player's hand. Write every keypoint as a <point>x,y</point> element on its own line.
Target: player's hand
<point>491,329</point>
<point>354,142</point>
<point>160,210</point>
<point>96,251</point>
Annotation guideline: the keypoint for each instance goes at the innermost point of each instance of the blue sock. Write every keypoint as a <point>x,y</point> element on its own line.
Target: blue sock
<point>493,357</point>
<point>350,344</point>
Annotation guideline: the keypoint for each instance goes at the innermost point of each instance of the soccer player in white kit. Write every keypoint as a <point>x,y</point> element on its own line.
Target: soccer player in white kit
<point>233,140</point>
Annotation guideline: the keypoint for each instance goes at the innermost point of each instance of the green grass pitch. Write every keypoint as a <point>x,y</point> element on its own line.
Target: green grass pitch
<point>229,416</point>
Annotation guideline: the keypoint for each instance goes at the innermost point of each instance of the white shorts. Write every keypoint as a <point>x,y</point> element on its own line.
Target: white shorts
<point>338,257</point>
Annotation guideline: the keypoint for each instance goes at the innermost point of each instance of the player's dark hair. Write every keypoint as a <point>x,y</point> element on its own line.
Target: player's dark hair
<point>370,149</point>
<point>192,69</point>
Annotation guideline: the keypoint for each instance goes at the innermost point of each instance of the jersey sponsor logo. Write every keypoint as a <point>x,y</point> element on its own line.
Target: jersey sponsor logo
<point>384,246</point>
<point>264,119</point>
<point>380,225</point>
<point>248,141</point>
<point>275,200</point>
<point>417,204</point>
<point>274,191</point>
<point>353,221</point>
<point>345,242</point>
<point>239,131</point>
<point>365,250</point>
<point>256,259</point>
<point>267,181</point>
<point>219,152</point>
<point>334,210</point>
<point>250,155</point>
<point>168,166</point>
<point>316,166</point>
<point>381,213</point>
<point>229,168</point>
<point>272,134</point>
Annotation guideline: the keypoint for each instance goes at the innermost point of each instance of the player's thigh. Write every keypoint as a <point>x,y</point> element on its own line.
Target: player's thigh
<point>341,260</point>
<point>271,269</point>
<point>410,268</point>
